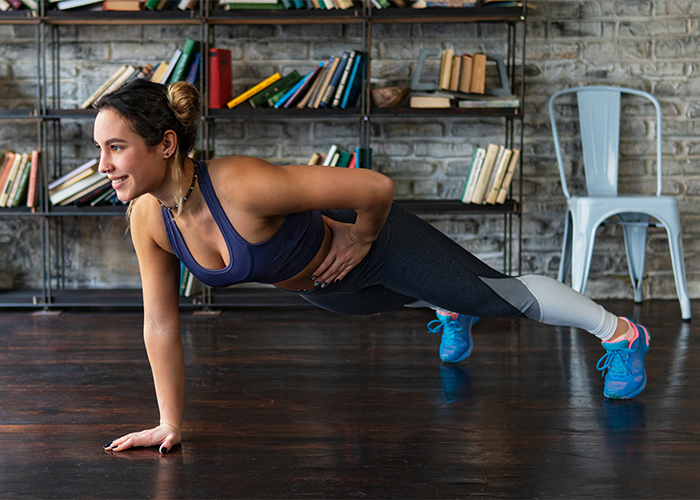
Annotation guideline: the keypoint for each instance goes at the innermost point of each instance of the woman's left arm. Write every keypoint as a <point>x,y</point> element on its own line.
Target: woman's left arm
<point>276,190</point>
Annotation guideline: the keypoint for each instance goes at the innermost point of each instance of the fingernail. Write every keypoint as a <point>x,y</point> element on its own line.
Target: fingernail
<point>316,283</point>
<point>336,281</point>
<point>324,284</point>
<point>313,278</point>
<point>164,450</point>
<point>107,445</point>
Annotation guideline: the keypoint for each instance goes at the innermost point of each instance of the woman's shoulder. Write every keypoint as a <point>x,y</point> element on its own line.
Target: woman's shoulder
<point>146,220</point>
<point>236,178</point>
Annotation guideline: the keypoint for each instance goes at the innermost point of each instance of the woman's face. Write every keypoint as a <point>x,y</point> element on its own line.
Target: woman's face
<point>132,166</point>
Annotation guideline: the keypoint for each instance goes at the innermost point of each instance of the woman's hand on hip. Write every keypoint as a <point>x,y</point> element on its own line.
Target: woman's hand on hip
<point>345,252</point>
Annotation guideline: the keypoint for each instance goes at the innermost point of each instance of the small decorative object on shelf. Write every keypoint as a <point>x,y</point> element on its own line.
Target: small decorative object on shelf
<point>388,97</point>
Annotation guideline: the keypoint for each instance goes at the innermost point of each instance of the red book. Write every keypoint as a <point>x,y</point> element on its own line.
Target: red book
<point>31,191</point>
<point>219,78</point>
<point>353,161</point>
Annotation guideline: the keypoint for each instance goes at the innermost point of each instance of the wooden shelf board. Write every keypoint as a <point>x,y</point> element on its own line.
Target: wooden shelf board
<point>439,207</point>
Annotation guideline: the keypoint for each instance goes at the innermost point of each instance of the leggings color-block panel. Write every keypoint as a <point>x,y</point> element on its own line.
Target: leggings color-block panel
<point>413,261</point>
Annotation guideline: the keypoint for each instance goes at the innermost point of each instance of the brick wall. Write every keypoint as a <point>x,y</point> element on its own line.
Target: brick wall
<point>641,44</point>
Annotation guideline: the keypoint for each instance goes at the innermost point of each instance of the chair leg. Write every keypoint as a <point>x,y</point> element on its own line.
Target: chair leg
<point>675,242</point>
<point>565,262</point>
<point>581,252</point>
<point>635,244</point>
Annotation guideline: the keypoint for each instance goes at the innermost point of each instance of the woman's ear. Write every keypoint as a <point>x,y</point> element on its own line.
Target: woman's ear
<point>169,143</point>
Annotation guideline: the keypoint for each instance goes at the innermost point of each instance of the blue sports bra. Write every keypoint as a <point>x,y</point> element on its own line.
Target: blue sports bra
<point>284,255</point>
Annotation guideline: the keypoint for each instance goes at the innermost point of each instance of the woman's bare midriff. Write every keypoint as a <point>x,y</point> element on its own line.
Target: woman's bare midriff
<point>302,281</point>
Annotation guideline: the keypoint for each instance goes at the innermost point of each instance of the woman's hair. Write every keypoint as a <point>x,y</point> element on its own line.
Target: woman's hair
<point>151,109</point>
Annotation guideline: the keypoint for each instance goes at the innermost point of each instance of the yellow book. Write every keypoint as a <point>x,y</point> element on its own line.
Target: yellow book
<point>499,172</point>
<point>250,93</point>
<point>492,152</point>
<point>503,191</point>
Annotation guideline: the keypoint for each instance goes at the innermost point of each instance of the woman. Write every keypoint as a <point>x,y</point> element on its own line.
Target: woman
<point>332,235</point>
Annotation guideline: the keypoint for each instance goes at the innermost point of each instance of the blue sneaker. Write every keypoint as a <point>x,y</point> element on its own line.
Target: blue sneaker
<point>623,365</point>
<point>456,343</point>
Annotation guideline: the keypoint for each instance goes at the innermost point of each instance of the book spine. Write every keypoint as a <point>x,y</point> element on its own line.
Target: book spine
<point>250,93</point>
<point>303,88</point>
<point>485,174</point>
<point>473,176</point>
<point>342,84</point>
<point>219,77</point>
<point>492,193</point>
<point>333,85</point>
<point>188,50</point>
<point>508,179</point>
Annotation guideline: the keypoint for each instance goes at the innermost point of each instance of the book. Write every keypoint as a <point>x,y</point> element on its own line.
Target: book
<point>20,181</point>
<point>478,73</point>
<point>251,92</point>
<point>281,100</point>
<point>340,91</point>
<point>10,179</point>
<point>489,180</point>
<point>158,73</point>
<point>219,77</point>
<point>189,48</point>
<point>314,160</point>
<point>508,178</point>
<point>499,173</point>
<point>77,187</point>
<point>321,81</point>
<point>128,72</point>
<point>98,93</point>
<point>455,73</point>
<point>331,67</point>
<point>353,161</point>
<point>33,174</point>
<point>304,87</point>
<point>72,4</point>
<point>473,175</point>
<point>489,102</point>
<point>485,174</point>
<point>122,5</point>
<point>283,84</point>
<point>193,72</point>
<point>465,74</point>
<point>312,90</point>
<point>329,156</point>
<point>430,101</point>
<point>343,159</point>
<point>88,165</point>
<point>171,66</point>
<point>445,69</point>
<point>329,93</point>
<point>9,158</point>
<point>88,192</point>
<point>354,85</point>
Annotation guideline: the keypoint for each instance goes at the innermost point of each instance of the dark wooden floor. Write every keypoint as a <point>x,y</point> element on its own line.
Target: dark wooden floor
<point>308,404</point>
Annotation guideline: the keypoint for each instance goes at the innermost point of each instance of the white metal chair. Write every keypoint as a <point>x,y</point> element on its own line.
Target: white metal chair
<point>599,121</point>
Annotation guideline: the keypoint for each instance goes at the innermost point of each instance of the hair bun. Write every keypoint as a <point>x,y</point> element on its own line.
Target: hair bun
<point>184,101</point>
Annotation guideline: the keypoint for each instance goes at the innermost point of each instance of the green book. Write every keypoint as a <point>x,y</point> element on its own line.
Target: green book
<point>344,160</point>
<point>260,99</point>
<point>183,63</point>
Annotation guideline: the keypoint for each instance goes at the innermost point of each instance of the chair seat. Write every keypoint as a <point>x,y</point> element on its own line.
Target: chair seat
<point>603,207</point>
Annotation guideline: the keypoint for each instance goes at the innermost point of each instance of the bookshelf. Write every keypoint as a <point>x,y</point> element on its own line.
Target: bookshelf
<point>49,117</point>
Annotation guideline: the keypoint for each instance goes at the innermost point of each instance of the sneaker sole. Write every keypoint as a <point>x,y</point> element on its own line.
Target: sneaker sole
<point>462,358</point>
<point>632,394</point>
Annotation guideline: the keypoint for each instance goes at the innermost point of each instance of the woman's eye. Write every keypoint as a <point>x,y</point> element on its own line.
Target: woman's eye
<point>116,148</point>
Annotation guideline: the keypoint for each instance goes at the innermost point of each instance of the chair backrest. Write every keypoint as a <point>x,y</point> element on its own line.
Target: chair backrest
<point>599,121</point>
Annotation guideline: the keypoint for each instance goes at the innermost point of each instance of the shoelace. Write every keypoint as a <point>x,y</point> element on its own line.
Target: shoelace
<point>451,328</point>
<point>616,362</point>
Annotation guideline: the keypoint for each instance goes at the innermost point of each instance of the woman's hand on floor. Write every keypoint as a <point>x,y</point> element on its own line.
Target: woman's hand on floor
<point>164,436</point>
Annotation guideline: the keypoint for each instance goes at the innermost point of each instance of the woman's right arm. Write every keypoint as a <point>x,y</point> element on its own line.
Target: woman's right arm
<point>160,274</point>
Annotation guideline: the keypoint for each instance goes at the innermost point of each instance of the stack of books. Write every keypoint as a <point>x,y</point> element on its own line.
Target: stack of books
<point>122,5</point>
<point>337,157</point>
<point>18,179</point>
<point>462,81</point>
<point>183,65</point>
<point>490,175</point>
<point>284,4</point>
<point>82,186</point>
<point>335,83</point>
<point>18,5</point>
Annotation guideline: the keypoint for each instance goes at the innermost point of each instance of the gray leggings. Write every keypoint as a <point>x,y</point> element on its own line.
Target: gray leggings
<point>413,261</point>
